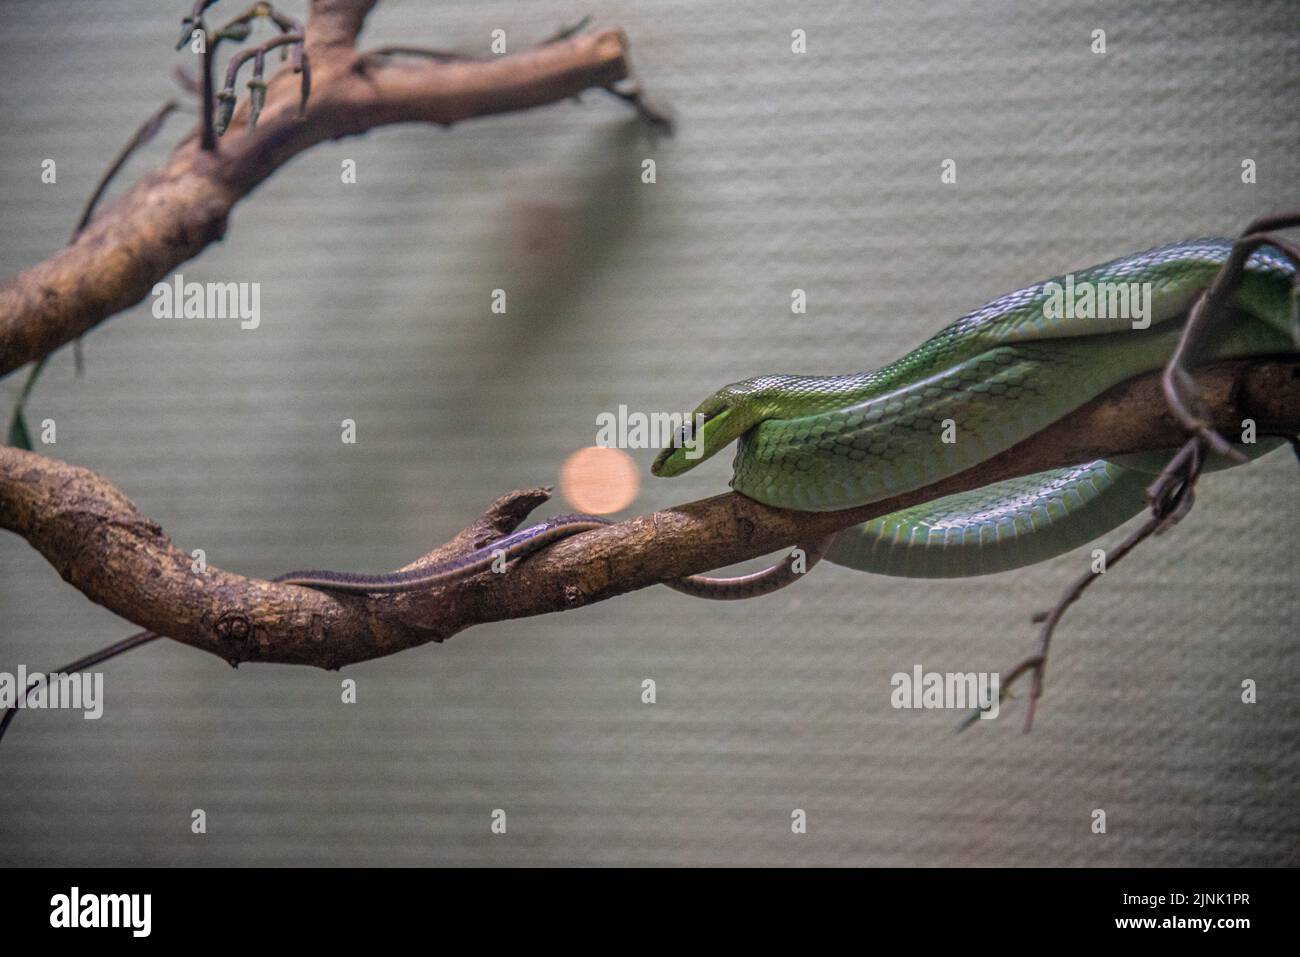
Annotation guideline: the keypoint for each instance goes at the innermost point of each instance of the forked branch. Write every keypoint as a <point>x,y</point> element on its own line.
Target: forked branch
<point>169,216</point>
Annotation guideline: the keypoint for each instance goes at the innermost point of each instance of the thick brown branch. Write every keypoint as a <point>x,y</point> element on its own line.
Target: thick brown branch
<point>171,215</point>
<point>101,544</point>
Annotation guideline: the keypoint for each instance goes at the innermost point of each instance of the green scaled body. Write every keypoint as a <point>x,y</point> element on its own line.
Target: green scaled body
<point>987,381</point>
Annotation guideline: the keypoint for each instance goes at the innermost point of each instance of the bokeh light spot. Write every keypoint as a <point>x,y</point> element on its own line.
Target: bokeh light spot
<point>599,480</point>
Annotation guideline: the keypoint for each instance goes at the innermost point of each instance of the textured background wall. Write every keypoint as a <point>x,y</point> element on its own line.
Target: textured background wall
<point>818,171</point>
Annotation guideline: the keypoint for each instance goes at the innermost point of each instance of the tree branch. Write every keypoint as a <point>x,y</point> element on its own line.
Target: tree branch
<point>169,216</point>
<point>103,546</point>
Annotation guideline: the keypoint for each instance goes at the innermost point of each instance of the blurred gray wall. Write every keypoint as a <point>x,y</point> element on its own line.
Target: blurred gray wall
<point>818,171</point>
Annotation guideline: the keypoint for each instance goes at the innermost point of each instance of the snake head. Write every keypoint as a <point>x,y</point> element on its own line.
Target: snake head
<point>716,422</point>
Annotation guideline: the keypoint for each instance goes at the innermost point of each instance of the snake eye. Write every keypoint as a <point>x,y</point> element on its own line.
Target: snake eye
<point>688,430</point>
<point>707,429</point>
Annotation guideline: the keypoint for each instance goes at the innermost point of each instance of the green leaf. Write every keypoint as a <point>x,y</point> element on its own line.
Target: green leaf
<point>19,437</point>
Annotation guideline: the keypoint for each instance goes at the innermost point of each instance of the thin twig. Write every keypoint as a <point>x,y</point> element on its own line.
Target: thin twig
<point>257,85</point>
<point>567,33</point>
<point>191,24</point>
<point>1172,505</point>
<point>146,132</point>
<point>1172,494</point>
<point>633,95</point>
<point>1211,311</point>
<point>81,664</point>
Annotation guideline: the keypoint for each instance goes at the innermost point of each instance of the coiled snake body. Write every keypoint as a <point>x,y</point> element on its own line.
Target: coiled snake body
<point>987,381</point>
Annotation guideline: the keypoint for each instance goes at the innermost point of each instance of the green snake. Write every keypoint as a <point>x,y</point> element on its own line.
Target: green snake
<point>987,381</point>
<point>977,387</point>
<point>992,378</point>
